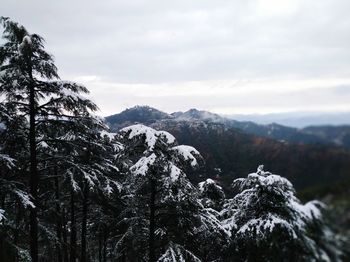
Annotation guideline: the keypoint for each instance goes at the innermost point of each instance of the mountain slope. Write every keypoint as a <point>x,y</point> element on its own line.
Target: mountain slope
<point>279,132</point>
<point>147,115</point>
<point>230,151</point>
<point>339,135</point>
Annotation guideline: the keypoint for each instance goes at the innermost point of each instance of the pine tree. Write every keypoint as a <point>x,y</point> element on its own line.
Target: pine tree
<point>14,198</point>
<point>165,218</point>
<point>78,159</point>
<point>30,85</point>
<point>268,223</point>
<point>214,238</point>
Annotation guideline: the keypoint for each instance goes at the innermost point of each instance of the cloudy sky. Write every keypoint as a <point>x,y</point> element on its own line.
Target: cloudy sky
<point>252,56</point>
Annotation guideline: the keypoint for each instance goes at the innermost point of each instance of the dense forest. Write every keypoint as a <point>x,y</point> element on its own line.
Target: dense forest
<point>70,190</point>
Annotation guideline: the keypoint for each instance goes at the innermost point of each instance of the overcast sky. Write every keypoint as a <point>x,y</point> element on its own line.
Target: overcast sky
<point>252,56</point>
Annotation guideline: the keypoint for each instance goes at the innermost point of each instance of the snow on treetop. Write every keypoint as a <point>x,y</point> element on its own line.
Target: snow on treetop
<point>188,153</point>
<point>210,181</point>
<point>268,179</point>
<point>142,166</point>
<point>26,41</point>
<point>283,210</point>
<point>151,135</point>
<point>203,184</point>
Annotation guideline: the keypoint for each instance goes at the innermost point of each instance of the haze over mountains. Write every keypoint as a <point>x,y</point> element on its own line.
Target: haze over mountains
<point>311,157</point>
<point>297,119</point>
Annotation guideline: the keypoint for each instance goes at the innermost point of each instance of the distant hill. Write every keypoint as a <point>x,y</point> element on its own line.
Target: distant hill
<point>138,114</point>
<point>233,148</point>
<point>148,115</point>
<point>323,135</point>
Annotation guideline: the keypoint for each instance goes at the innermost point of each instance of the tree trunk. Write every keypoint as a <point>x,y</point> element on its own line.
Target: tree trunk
<point>64,235</point>
<point>105,244</point>
<point>73,233</point>
<point>151,245</point>
<point>33,179</point>
<point>84,222</point>
<point>59,219</point>
<point>18,211</point>
<point>99,247</point>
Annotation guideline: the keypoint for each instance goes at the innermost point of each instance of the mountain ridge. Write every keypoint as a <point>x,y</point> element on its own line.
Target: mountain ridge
<point>231,152</point>
<point>308,135</point>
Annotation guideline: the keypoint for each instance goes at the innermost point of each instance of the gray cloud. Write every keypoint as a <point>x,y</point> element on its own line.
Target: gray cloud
<point>342,90</point>
<point>160,41</point>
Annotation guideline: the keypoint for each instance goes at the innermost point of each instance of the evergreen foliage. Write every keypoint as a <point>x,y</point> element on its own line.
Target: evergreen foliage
<point>268,223</point>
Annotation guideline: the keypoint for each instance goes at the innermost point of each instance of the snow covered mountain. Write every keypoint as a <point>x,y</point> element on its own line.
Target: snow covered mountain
<point>194,114</point>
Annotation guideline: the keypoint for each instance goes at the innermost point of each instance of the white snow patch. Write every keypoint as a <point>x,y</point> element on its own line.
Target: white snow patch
<point>111,136</point>
<point>187,152</point>
<point>309,210</point>
<point>175,172</point>
<point>151,135</point>
<point>228,224</point>
<point>177,253</point>
<point>43,144</point>
<point>201,185</point>
<point>141,167</point>
<point>27,39</point>
<point>268,178</point>
<point>24,197</point>
<point>2,126</point>
<point>8,160</point>
<point>75,185</point>
<point>259,225</point>
<point>65,92</point>
<point>2,217</point>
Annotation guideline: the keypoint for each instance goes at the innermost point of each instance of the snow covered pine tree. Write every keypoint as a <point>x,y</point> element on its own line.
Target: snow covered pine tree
<point>268,223</point>
<point>30,85</point>
<point>166,220</point>
<point>78,166</point>
<point>14,198</point>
